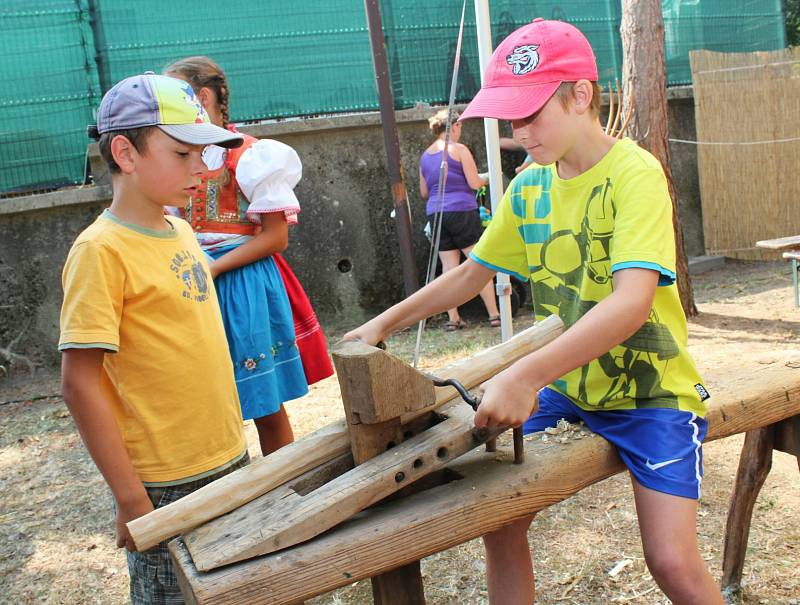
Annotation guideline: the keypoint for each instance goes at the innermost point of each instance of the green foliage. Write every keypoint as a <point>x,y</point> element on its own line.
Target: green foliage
<point>791,9</point>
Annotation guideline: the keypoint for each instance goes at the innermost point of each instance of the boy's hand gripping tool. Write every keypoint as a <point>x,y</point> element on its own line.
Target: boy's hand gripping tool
<point>474,402</point>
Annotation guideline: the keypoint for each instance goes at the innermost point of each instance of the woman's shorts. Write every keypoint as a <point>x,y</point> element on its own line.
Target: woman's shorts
<point>661,447</point>
<point>459,229</point>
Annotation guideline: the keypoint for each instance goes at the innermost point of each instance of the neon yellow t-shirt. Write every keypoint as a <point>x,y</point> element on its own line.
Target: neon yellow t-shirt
<point>147,297</point>
<point>568,237</point>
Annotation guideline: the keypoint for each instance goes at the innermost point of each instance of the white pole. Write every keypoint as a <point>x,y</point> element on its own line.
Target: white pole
<point>484,26</point>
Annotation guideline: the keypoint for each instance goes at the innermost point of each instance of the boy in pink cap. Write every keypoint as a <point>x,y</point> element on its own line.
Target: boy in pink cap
<point>590,225</point>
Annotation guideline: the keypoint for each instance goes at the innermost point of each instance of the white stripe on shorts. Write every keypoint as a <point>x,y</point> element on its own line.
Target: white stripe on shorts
<point>698,444</point>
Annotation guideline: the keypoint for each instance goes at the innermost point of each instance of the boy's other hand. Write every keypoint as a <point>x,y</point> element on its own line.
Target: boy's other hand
<point>129,512</point>
<point>506,401</point>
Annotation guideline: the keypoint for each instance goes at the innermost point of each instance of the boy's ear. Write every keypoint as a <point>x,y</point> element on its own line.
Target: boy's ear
<point>123,152</point>
<point>582,92</point>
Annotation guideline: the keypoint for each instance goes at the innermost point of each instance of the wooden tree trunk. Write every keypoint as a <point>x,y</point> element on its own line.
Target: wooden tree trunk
<point>644,76</point>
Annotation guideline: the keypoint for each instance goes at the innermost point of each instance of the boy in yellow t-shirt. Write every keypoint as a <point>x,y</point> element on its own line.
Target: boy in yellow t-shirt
<point>590,224</point>
<point>145,368</point>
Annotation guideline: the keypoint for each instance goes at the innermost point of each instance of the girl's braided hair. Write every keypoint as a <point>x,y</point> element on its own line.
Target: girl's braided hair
<point>202,72</point>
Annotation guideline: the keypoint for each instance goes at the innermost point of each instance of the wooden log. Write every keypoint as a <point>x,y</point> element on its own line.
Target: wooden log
<point>272,523</point>
<point>490,492</point>
<point>332,441</point>
<point>755,462</point>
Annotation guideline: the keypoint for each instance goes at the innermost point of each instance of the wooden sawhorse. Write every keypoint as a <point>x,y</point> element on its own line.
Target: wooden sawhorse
<point>755,463</point>
<point>791,247</point>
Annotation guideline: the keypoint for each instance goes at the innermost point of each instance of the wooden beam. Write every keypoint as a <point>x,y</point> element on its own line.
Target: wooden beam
<point>755,462</point>
<point>328,443</point>
<point>284,517</point>
<point>491,492</point>
<point>369,391</point>
<point>378,386</point>
<point>233,490</point>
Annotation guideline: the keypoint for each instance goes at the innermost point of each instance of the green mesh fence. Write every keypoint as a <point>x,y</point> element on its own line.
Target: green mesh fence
<point>421,41</point>
<point>49,89</point>
<point>294,58</point>
<point>291,58</point>
<point>724,26</point>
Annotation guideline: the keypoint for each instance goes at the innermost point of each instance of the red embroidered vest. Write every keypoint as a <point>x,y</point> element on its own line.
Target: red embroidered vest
<point>219,205</point>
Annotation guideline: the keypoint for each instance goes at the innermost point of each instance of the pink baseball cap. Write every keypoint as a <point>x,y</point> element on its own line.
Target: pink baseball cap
<point>528,67</point>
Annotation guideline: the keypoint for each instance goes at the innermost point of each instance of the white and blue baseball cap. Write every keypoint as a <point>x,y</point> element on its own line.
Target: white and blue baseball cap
<point>154,100</point>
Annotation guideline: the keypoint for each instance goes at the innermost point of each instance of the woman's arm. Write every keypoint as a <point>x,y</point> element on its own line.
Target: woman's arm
<point>423,186</point>
<point>80,387</point>
<point>274,237</point>
<point>468,165</point>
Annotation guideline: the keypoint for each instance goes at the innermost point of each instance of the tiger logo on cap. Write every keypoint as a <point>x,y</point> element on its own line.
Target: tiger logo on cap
<point>524,59</point>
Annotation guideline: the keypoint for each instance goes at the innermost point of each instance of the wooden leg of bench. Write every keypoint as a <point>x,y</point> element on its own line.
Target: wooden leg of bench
<point>794,282</point>
<point>754,466</point>
<point>401,586</point>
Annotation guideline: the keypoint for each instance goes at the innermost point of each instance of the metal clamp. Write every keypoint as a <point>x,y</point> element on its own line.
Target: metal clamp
<point>465,394</point>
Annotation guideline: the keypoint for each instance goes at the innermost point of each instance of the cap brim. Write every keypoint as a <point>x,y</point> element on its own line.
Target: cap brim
<point>203,134</point>
<point>509,102</point>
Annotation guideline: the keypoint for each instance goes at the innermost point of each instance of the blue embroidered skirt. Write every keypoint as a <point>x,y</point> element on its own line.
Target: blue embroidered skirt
<point>260,330</point>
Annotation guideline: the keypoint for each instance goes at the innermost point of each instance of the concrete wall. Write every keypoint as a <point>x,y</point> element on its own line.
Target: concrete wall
<point>344,249</point>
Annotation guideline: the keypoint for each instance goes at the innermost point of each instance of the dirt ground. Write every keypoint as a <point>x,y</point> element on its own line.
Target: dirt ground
<point>56,522</point>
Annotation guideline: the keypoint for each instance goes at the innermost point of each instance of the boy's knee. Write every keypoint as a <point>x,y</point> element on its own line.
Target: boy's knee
<point>669,567</point>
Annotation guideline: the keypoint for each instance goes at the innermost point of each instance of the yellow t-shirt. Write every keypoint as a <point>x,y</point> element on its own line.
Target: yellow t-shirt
<point>568,237</point>
<point>147,297</point>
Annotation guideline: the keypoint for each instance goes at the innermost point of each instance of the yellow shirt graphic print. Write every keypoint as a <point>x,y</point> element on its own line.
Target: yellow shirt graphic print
<point>146,298</point>
<point>568,236</point>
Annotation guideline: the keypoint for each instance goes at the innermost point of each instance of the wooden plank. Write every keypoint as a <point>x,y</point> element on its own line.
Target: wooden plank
<point>490,493</point>
<point>791,255</point>
<point>378,386</point>
<point>241,486</point>
<point>291,461</point>
<point>369,393</point>
<point>755,462</point>
<point>271,523</point>
<point>780,243</point>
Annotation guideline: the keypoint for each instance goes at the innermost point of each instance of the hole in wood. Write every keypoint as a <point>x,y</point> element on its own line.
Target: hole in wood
<point>418,463</point>
<point>399,477</point>
<point>441,453</point>
<point>435,479</point>
<point>316,478</point>
<point>390,445</point>
<point>407,434</point>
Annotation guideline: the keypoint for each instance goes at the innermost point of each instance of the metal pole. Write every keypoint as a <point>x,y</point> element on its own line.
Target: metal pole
<point>492,133</point>
<point>392,144</point>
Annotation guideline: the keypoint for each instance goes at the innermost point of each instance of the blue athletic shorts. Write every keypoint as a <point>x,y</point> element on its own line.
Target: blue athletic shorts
<point>661,447</point>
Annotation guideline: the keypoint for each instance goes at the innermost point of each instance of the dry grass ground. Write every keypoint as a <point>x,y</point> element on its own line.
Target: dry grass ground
<point>56,542</point>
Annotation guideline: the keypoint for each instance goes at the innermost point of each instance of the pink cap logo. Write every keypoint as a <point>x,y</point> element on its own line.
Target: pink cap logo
<point>524,59</point>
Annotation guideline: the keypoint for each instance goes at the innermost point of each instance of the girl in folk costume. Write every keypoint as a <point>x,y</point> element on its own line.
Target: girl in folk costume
<point>241,213</point>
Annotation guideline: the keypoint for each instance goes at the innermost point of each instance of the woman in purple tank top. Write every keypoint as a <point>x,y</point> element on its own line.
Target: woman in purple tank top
<point>461,223</point>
